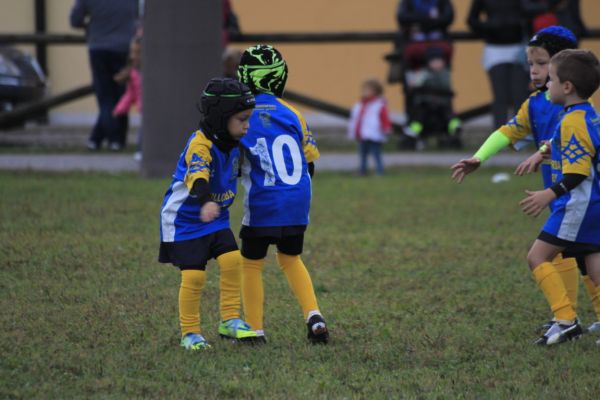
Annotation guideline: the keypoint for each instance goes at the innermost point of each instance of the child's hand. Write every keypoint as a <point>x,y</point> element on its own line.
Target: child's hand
<point>464,167</point>
<point>210,211</point>
<point>535,202</point>
<point>546,149</point>
<point>530,165</point>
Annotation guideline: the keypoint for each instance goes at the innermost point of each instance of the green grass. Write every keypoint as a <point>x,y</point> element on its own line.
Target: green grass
<point>423,283</point>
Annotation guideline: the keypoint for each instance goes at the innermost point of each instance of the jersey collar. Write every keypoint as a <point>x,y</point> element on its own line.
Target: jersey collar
<point>579,106</point>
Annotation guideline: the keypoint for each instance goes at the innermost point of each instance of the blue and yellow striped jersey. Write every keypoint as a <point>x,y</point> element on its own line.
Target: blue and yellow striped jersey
<point>575,147</point>
<point>180,213</point>
<point>535,122</point>
<point>277,149</point>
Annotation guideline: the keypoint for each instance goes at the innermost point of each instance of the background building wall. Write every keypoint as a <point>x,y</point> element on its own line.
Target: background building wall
<point>331,72</point>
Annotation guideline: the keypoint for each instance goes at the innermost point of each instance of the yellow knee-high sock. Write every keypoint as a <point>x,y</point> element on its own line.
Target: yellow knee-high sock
<point>594,292</point>
<point>299,281</point>
<point>230,266</point>
<point>569,273</point>
<point>192,282</point>
<point>552,285</point>
<point>253,294</point>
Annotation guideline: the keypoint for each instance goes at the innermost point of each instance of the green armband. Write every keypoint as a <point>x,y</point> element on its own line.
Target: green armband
<point>496,142</point>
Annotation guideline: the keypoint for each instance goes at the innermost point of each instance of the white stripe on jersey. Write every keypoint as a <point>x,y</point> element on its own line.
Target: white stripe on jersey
<point>576,208</point>
<point>169,211</point>
<point>247,184</point>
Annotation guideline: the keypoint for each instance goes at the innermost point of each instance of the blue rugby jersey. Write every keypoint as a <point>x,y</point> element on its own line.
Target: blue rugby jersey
<point>277,149</point>
<point>180,212</point>
<point>535,122</point>
<point>575,145</point>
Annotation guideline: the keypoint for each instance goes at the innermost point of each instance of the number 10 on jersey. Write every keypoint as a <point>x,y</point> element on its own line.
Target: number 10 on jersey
<point>277,164</point>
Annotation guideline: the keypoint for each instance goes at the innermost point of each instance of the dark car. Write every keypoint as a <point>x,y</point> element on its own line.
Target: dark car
<point>21,78</point>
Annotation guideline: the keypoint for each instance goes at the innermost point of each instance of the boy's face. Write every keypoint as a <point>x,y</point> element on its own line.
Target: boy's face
<point>238,124</point>
<point>538,59</point>
<point>556,89</point>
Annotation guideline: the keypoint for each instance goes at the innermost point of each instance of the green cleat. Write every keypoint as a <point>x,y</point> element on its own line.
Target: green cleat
<point>238,330</point>
<point>194,342</point>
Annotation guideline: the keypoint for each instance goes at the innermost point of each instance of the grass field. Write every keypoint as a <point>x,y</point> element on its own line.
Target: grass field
<point>423,283</point>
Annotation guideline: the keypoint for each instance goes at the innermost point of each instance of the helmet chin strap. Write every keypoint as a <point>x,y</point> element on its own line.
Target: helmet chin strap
<point>223,140</point>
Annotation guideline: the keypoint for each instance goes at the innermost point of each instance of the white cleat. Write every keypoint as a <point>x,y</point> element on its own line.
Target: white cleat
<point>560,333</point>
<point>594,328</point>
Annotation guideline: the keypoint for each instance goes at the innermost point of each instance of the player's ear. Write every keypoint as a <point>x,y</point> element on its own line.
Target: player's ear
<point>568,87</point>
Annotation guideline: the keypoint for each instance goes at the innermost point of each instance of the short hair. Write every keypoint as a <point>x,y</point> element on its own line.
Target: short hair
<point>581,68</point>
<point>375,85</point>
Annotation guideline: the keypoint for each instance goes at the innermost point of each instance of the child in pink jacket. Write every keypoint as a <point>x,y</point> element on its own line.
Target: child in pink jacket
<point>133,90</point>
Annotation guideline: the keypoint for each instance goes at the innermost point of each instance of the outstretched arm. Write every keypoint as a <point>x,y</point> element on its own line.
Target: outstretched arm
<point>496,142</point>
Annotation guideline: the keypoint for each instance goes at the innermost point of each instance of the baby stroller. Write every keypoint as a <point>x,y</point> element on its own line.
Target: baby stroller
<point>428,95</point>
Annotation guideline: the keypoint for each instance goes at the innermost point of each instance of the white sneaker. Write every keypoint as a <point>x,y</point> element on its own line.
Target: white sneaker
<point>560,332</point>
<point>594,328</point>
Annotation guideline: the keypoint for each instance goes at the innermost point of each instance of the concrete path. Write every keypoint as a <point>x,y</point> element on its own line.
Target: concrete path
<point>327,162</point>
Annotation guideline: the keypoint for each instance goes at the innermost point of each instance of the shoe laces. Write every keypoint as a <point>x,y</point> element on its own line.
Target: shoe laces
<point>237,324</point>
<point>193,340</point>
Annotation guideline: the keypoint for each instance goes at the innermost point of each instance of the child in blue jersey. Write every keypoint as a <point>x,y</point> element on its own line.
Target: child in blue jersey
<point>194,217</point>
<point>573,227</point>
<point>536,121</point>
<point>279,151</point>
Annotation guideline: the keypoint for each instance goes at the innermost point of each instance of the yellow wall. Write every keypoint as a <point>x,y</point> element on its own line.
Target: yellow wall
<point>67,64</point>
<point>333,72</point>
<point>328,71</point>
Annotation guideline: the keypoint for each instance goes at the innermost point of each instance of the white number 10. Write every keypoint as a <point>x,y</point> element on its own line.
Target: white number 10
<point>262,152</point>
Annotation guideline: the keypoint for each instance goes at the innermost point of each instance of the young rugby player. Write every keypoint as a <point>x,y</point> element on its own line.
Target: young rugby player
<point>278,151</point>
<point>194,215</point>
<point>573,226</point>
<point>536,121</point>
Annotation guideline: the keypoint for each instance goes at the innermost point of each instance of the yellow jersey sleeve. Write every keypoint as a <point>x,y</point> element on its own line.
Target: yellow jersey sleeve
<point>309,145</point>
<point>311,152</point>
<point>577,149</point>
<point>198,159</point>
<point>519,126</point>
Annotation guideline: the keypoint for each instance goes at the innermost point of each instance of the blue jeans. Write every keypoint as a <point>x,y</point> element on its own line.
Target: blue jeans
<point>367,147</point>
<point>105,64</point>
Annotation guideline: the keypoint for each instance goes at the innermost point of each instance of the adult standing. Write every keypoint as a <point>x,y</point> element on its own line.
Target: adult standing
<point>110,26</point>
<point>503,30</point>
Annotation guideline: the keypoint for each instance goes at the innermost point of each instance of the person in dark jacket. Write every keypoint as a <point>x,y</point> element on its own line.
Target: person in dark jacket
<point>110,25</point>
<point>424,19</point>
<point>503,30</point>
